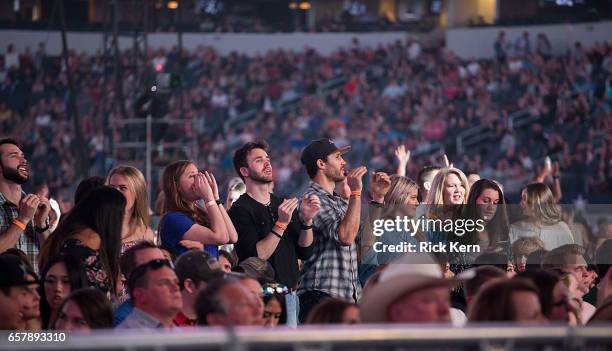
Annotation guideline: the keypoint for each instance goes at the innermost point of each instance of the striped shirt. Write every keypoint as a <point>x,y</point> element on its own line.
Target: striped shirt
<point>332,268</point>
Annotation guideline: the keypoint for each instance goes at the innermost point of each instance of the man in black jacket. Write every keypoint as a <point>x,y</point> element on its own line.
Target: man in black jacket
<point>268,226</point>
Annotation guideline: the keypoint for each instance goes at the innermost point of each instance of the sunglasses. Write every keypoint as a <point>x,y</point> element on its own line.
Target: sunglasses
<point>141,270</point>
<point>271,289</point>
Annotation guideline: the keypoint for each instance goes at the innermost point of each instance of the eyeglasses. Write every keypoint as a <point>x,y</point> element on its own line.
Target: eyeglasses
<point>271,289</point>
<point>141,270</point>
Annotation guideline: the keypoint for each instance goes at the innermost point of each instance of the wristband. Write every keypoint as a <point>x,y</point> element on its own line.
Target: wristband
<point>210,204</point>
<point>41,229</point>
<point>304,226</point>
<point>356,193</point>
<point>19,223</point>
<point>219,202</point>
<point>280,225</point>
<point>275,233</point>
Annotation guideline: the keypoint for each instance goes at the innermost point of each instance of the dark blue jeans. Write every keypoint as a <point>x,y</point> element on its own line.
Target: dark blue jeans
<point>308,300</point>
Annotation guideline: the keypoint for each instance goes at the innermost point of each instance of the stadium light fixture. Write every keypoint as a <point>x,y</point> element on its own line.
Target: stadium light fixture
<point>293,5</point>
<point>305,5</point>
<point>173,5</point>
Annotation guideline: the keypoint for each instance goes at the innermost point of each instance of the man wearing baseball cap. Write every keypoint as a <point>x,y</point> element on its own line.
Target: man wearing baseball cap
<point>332,268</point>
<point>410,290</point>
<point>194,270</point>
<point>14,293</point>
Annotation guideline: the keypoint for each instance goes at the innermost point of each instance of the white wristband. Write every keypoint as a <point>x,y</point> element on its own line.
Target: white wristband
<point>210,203</point>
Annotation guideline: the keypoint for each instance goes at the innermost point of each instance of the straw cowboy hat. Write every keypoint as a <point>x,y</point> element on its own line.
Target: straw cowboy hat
<point>410,272</point>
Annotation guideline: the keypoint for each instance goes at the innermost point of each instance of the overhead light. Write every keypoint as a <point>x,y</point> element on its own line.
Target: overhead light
<point>172,5</point>
<point>305,5</point>
<point>293,5</point>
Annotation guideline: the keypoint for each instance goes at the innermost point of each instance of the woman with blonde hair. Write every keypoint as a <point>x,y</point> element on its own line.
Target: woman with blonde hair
<point>542,218</point>
<point>449,189</point>
<point>131,183</point>
<point>187,223</point>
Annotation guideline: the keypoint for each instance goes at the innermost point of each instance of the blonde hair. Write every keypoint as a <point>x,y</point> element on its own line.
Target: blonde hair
<point>435,198</point>
<point>136,183</point>
<point>400,188</point>
<point>541,204</point>
<point>527,245</point>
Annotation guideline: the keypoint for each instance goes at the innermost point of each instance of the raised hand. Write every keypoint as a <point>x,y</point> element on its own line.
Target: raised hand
<point>212,182</point>
<point>42,213</point>
<point>381,183</point>
<point>285,210</point>
<point>202,188</point>
<point>354,178</point>
<point>447,164</point>
<point>402,155</point>
<point>309,207</point>
<point>27,207</point>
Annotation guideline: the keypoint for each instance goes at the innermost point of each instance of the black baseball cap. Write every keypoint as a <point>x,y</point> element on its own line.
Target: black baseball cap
<point>320,149</point>
<point>196,265</point>
<point>14,272</point>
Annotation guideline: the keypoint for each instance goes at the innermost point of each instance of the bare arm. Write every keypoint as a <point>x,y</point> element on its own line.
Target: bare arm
<point>229,226</point>
<point>349,226</point>
<point>266,246</point>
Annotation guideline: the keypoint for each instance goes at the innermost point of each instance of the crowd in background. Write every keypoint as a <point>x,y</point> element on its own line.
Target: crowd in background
<point>292,239</point>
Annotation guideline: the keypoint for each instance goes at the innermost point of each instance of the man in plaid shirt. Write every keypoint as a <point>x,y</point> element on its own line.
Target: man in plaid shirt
<point>332,268</point>
<point>23,217</point>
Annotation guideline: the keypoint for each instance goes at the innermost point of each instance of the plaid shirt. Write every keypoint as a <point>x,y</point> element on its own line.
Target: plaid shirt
<point>28,240</point>
<point>332,268</point>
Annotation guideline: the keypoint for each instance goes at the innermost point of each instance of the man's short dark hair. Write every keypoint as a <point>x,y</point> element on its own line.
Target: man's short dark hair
<point>127,262</point>
<point>240,156</point>
<point>424,173</point>
<point>10,141</point>
<point>209,299</point>
<point>603,258</point>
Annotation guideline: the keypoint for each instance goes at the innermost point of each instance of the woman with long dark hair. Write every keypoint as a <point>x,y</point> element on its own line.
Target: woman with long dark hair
<point>92,233</point>
<point>62,275</point>
<point>187,223</point>
<point>486,203</point>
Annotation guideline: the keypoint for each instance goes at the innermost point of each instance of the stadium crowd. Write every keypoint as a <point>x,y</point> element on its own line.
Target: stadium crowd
<point>260,257</point>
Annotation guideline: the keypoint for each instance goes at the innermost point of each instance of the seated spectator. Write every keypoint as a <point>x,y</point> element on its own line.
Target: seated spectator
<point>569,259</point>
<point>155,294</point>
<point>84,310</point>
<point>522,248</point>
<point>30,312</point>
<point>542,218</point>
<point>227,302</point>
<point>495,259</point>
<point>553,294</point>
<point>227,260</point>
<point>184,187</point>
<point>410,290</point>
<point>256,268</point>
<point>508,300</point>
<point>275,309</point>
<point>194,270</point>
<point>334,311</point>
<point>92,233</point>
<point>63,274</point>
<point>14,291</point>
<point>135,256</point>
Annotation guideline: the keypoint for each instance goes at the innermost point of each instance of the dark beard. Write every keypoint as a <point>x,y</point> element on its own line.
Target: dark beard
<point>260,179</point>
<point>13,175</point>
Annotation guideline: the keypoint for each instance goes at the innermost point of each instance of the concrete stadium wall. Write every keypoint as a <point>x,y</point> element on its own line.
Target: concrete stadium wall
<point>249,43</point>
<point>478,42</point>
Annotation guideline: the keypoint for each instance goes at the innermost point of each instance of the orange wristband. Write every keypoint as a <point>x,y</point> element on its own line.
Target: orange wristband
<point>356,193</point>
<point>280,225</point>
<point>19,223</point>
